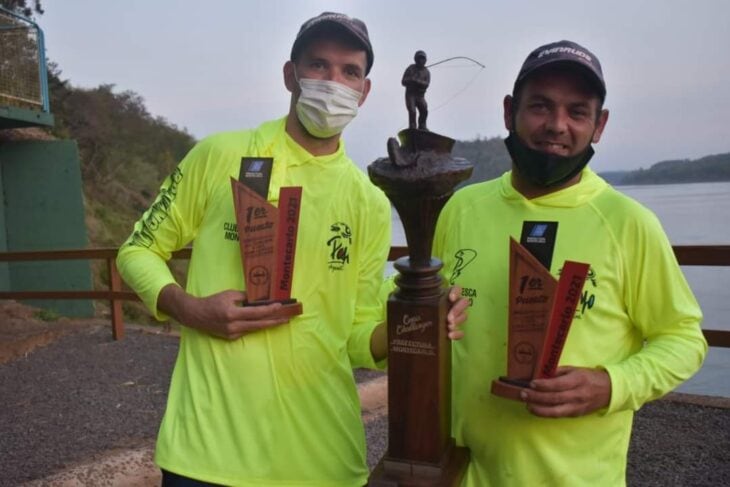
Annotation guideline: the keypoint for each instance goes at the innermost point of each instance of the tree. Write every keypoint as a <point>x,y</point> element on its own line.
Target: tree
<point>23,7</point>
<point>489,156</point>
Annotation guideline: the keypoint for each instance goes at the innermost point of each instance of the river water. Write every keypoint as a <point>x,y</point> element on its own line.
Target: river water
<point>691,214</point>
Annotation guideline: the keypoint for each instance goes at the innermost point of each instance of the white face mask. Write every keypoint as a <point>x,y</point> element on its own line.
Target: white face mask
<point>326,107</point>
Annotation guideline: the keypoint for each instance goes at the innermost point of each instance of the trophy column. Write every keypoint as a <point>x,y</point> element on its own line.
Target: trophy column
<point>418,177</point>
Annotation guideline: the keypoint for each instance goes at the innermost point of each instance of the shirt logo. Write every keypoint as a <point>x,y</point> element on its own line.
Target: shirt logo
<point>230,231</point>
<point>339,246</point>
<point>588,297</point>
<point>538,230</point>
<point>537,234</point>
<point>463,257</point>
<point>158,212</point>
<point>256,165</point>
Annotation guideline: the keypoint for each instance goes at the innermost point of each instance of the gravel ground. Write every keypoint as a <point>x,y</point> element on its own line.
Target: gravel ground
<point>84,395</point>
<point>78,397</point>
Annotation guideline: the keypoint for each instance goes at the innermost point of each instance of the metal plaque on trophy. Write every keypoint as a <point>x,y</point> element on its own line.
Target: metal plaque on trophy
<point>267,236</point>
<point>418,177</point>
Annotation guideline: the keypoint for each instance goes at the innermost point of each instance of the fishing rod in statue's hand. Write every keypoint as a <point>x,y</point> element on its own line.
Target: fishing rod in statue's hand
<point>456,57</point>
<point>467,85</point>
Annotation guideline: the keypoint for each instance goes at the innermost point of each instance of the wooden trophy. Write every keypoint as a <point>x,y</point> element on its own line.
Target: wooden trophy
<point>267,236</point>
<point>541,310</point>
<point>419,177</point>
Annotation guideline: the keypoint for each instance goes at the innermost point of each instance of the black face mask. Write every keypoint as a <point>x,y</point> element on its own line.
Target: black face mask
<point>541,168</point>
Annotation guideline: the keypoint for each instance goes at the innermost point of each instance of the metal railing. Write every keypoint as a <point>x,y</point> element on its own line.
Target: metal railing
<point>688,255</point>
<point>23,75</point>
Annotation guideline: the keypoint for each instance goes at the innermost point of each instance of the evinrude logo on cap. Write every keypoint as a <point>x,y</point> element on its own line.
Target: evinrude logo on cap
<point>328,16</point>
<point>569,50</point>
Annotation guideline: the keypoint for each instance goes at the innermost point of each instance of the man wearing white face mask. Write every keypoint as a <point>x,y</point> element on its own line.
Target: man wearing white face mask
<point>255,399</point>
<point>326,107</point>
<point>327,76</point>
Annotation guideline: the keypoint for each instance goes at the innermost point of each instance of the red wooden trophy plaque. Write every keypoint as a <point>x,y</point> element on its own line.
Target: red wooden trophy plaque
<point>268,236</point>
<point>541,310</point>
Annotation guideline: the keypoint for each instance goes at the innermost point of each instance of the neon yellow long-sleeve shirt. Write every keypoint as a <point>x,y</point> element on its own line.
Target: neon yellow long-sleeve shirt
<point>637,319</point>
<point>278,407</point>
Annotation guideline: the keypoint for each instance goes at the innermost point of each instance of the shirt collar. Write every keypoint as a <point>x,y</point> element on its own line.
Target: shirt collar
<point>300,155</point>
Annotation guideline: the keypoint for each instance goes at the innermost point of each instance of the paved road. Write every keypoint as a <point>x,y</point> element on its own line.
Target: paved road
<point>84,410</point>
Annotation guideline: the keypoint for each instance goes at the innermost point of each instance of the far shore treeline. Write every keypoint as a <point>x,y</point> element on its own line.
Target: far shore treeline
<point>491,159</point>
<point>703,170</point>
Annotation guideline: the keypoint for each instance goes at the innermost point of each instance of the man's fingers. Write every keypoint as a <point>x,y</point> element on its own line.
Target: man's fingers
<point>230,295</point>
<point>557,405</point>
<point>454,293</point>
<point>556,411</point>
<point>456,335</point>
<point>457,314</point>
<point>256,312</point>
<point>459,307</point>
<point>573,392</point>
<point>564,379</point>
<point>544,398</point>
<point>564,369</point>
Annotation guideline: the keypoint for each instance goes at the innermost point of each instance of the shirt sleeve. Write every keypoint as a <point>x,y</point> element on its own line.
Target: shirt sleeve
<point>662,307</point>
<point>369,306</point>
<point>169,224</point>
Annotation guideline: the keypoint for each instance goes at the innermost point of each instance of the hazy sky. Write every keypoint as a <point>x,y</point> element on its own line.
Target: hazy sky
<point>666,64</point>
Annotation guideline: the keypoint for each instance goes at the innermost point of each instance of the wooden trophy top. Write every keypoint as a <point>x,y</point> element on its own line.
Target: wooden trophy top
<point>418,177</point>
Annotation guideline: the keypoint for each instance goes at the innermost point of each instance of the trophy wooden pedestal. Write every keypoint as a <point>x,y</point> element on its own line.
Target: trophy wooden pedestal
<point>421,451</point>
<point>419,178</point>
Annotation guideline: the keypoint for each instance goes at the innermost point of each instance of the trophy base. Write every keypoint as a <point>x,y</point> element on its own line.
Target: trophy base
<point>509,388</point>
<point>289,307</point>
<point>403,473</point>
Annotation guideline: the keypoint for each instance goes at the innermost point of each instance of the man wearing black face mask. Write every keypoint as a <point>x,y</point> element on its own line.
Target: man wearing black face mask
<point>636,332</point>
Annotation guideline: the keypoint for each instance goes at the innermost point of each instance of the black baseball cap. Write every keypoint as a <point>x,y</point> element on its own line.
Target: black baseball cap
<point>567,53</point>
<point>351,26</point>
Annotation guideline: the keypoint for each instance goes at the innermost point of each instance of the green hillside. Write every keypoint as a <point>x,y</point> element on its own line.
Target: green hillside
<point>125,152</point>
<point>491,159</point>
<point>489,156</point>
<point>705,169</point>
